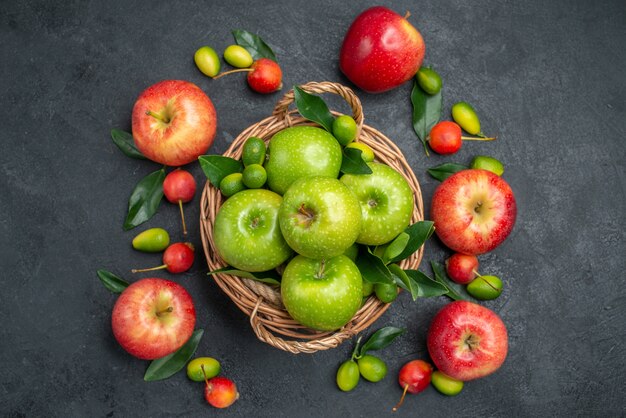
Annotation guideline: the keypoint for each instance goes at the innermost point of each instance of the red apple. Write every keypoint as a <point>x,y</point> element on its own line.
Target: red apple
<point>153,318</point>
<point>174,122</point>
<point>467,341</point>
<point>474,211</point>
<point>381,50</point>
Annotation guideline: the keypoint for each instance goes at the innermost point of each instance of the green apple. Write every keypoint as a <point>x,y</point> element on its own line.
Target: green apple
<point>319,217</point>
<point>246,232</point>
<point>386,203</point>
<point>322,294</point>
<point>301,151</point>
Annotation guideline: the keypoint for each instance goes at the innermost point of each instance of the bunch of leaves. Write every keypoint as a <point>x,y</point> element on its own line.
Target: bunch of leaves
<point>380,264</point>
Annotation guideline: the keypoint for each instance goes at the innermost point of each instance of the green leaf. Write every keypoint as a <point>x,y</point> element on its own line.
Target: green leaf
<point>418,233</point>
<point>396,247</point>
<point>216,167</point>
<point>381,339</point>
<point>254,44</point>
<point>455,290</point>
<point>404,281</point>
<point>426,286</point>
<point>313,108</point>
<point>145,199</point>
<point>269,277</point>
<point>373,269</point>
<point>426,112</point>
<point>352,163</point>
<point>126,144</point>
<point>112,282</point>
<point>445,170</point>
<point>166,366</point>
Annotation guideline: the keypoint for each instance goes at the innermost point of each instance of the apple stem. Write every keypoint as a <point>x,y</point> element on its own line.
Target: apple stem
<point>479,138</point>
<point>157,116</point>
<point>320,272</point>
<point>164,266</point>
<point>238,70</point>
<point>182,216</point>
<point>395,408</point>
<point>407,14</point>
<point>167,310</point>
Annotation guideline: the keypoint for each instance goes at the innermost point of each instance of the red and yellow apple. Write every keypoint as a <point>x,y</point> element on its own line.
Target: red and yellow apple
<point>153,318</point>
<point>174,122</point>
<point>473,211</point>
<point>381,50</point>
<point>467,341</point>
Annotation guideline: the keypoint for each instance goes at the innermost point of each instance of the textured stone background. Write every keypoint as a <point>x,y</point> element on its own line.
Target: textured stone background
<point>546,77</point>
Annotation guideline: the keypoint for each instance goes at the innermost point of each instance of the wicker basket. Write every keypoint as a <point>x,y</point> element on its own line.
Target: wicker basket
<point>261,302</point>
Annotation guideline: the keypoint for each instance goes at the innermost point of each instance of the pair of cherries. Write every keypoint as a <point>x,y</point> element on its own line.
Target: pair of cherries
<point>179,187</point>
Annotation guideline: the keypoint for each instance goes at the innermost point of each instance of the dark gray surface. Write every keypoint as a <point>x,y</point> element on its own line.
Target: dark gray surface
<point>546,77</point>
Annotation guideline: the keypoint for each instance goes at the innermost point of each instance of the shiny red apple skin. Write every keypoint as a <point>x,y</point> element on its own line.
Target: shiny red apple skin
<point>188,126</point>
<point>140,330</point>
<point>474,211</point>
<point>462,324</point>
<point>381,50</point>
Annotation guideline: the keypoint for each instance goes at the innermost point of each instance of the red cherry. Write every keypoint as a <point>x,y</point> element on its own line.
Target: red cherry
<point>179,187</point>
<point>177,258</point>
<point>220,392</point>
<point>462,267</point>
<point>265,77</point>
<point>414,377</point>
<point>445,138</point>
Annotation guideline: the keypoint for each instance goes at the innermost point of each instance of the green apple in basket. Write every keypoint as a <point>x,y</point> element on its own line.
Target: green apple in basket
<point>246,232</point>
<point>386,203</point>
<point>301,151</point>
<point>322,294</point>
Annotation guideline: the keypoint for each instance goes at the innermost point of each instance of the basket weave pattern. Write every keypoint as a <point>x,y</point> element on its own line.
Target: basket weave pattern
<point>261,302</point>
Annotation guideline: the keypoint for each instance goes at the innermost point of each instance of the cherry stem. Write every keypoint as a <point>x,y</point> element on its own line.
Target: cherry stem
<point>157,116</point>
<point>204,373</point>
<point>395,408</point>
<point>182,216</point>
<point>164,266</point>
<point>166,310</point>
<point>480,138</point>
<point>478,276</point>
<point>238,70</point>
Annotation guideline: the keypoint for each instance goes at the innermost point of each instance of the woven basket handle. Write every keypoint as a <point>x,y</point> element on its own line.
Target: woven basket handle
<point>281,111</point>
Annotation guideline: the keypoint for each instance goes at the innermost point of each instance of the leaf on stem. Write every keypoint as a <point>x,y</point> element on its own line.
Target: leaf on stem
<point>418,233</point>
<point>455,290</point>
<point>166,366</point>
<point>426,112</point>
<point>443,171</point>
<point>381,339</point>
<point>372,268</point>
<point>145,199</point>
<point>313,108</point>
<point>216,167</point>
<point>112,282</point>
<point>254,45</point>
<point>352,163</point>
<point>126,144</point>
<point>426,287</point>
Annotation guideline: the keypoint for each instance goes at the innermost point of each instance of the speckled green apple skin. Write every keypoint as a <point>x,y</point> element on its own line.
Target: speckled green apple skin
<point>386,203</point>
<point>301,151</point>
<point>333,220</point>
<point>246,231</point>
<point>325,301</point>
